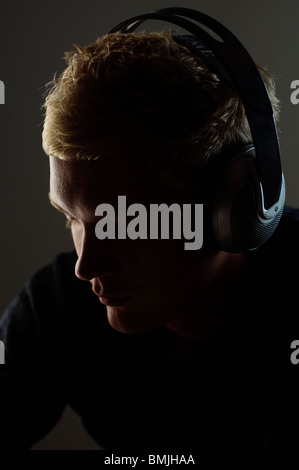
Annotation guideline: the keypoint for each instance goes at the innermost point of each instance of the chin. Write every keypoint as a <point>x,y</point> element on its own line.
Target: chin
<point>128,321</point>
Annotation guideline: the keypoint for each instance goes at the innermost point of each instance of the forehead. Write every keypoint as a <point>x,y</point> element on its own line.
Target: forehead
<point>96,181</point>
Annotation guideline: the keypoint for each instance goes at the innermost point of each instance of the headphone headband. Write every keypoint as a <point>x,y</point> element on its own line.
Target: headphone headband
<point>234,64</point>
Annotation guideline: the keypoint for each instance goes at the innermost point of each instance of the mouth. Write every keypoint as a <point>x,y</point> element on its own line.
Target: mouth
<point>114,301</point>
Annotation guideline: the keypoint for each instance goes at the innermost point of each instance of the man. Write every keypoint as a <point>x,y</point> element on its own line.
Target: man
<point>161,347</point>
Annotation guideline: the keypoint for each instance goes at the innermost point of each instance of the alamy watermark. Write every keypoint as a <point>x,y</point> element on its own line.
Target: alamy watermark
<point>2,353</point>
<point>168,460</point>
<point>294,357</point>
<point>187,222</point>
<point>295,94</point>
<point>2,92</point>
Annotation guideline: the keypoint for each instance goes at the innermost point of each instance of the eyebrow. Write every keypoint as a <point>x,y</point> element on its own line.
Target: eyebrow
<point>56,205</point>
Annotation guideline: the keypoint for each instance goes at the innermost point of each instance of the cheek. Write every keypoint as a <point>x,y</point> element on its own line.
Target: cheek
<point>172,271</point>
<point>163,262</point>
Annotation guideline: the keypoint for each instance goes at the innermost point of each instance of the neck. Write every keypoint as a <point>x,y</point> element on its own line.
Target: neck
<point>201,319</point>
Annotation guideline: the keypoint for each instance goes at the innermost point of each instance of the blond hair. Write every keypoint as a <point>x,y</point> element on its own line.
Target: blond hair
<point>144,92</point>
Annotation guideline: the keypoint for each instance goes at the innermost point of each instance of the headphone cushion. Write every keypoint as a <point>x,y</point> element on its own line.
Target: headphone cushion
<point>237,222</point>
<point>248,230</point>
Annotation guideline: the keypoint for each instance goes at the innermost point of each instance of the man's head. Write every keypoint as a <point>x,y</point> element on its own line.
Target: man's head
<point>145,93</point>
<point>139,115</point>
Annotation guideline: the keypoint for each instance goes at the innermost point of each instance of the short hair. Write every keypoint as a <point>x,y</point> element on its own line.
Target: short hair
<point>145,91</point>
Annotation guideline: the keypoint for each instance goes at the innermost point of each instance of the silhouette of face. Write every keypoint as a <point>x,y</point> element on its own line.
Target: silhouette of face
<point>144,283</point>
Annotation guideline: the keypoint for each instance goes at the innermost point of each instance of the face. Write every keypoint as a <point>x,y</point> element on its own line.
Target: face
<point>144,284</point>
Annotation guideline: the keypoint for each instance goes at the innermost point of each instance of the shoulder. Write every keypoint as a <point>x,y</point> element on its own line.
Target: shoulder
<point>284,242</point>
<point>273,275</point>
<point>278,258</point>
<point>59,298</point>
<point>61,269</point>
<point>289,219</point>
<point>49,289</point>
<point>50,308</point>
<point>36,302</point>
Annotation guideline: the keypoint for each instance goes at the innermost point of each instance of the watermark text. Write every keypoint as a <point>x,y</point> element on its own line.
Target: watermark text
<point>163,222</point>
<point>295,94</point>
<point>295,354</point>
<point>2,353</point>
<point>2,92</point>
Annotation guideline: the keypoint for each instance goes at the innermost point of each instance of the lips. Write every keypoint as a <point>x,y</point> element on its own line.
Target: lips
<point>109,298</point>
<point>114,301</point>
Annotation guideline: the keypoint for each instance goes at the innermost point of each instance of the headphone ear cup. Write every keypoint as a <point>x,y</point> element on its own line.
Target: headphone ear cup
<point>239,221</point>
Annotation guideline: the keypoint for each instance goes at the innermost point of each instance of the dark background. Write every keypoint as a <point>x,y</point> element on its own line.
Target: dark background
<point>33,37</point>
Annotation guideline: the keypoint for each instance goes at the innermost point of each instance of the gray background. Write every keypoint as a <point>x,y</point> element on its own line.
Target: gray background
<point>33,37</point>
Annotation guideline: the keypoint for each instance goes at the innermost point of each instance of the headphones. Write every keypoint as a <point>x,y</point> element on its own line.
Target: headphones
<point>249,199</point>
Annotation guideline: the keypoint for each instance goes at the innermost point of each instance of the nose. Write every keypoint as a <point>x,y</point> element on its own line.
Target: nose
<point>96,258</point>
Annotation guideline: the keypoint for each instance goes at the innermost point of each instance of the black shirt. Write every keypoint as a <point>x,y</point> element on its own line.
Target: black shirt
<point>151,390</point>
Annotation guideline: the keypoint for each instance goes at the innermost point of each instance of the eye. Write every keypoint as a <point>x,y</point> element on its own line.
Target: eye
<point>69,223</point>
